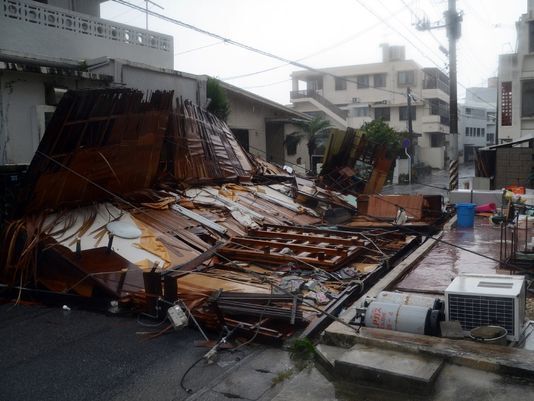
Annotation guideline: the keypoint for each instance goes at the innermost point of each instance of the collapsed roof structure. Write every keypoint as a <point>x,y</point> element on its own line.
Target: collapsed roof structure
<point>129,200</point>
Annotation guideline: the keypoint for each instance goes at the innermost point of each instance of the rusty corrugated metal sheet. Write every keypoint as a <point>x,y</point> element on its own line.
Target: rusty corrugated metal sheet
<point>98,141</point>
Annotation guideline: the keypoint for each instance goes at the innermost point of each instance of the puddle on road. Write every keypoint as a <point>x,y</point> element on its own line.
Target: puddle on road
<point>445,262</point>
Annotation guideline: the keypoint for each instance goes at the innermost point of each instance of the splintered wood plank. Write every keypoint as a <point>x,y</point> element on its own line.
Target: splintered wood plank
<point>308,238</point>
<point>275,258</point>
<point>293,246</point>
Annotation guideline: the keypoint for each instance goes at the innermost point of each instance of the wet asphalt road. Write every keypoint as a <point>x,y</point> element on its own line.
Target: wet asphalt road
<point>50,354</point>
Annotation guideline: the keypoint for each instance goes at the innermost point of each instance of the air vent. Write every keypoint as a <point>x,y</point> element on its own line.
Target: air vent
<point>474,311</point>
<point>493,284</point>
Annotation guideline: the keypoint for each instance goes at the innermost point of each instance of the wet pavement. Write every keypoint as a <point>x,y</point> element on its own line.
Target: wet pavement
<point>437,183</point>
<point>447,259</point>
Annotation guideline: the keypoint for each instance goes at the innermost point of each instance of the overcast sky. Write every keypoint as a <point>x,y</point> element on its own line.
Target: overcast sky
<point>322,33</point>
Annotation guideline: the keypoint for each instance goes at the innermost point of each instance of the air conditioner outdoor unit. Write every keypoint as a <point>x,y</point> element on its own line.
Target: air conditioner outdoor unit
<point>355,100</point>
<point>493,299</point>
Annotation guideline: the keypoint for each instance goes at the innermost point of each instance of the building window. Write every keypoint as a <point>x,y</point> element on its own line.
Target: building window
<point>362,81</point>
<point>482,131</point>
<point>406,78</point>
<point>359,112</point>
<point>531,36</point>
<point>315,84</point>
<point>527,98</point>
<point>403,113</point>
<point>466,131</point>
<point>242,138</point>
<point>341,84</point>
<point>506,103</point>
<point>382,113</point>
<point>379,80</point>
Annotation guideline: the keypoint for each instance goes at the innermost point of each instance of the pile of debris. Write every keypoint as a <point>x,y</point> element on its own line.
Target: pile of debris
<point>130,201</point>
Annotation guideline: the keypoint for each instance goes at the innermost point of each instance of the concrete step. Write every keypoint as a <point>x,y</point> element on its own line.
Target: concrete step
<point>329,353</point>
<point>402,371</point>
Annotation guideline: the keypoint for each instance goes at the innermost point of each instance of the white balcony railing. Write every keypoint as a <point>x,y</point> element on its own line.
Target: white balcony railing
<point>66,20</point>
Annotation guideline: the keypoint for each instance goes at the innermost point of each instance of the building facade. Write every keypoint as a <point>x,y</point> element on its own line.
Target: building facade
<point>261,126</point>
<point>49,47</point>
<point>516,83</point>
<point>477,125</point>
<point>354,95</point>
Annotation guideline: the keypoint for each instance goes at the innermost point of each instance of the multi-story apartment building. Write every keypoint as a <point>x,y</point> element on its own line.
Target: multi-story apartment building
<point>353,95</point>
<point>516,83</point>
<point>477,120</point>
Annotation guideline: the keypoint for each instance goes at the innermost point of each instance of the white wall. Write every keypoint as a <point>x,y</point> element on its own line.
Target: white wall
<point>20,96</point>
<point>302,152</point>
<point>434,157</point>
<point>78,37</point>
<point>148,79</point>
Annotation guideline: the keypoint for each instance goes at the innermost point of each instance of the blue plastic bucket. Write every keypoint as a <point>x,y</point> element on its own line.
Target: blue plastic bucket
<point>466,214</point>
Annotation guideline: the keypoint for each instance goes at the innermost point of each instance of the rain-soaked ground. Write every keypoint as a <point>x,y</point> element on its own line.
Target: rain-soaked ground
<point>447,259</point>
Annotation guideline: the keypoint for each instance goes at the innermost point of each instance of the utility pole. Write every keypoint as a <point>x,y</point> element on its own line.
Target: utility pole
<point>453,21</point>
<point>409,98</point>
<point>146,13</point>
<point>410,132</point>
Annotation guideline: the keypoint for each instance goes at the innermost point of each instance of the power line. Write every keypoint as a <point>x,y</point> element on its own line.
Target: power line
<point>321,51</point>
<point>199,48</point>
<point>265,85</point>
<point>243,45</point>
<point>417,48</point>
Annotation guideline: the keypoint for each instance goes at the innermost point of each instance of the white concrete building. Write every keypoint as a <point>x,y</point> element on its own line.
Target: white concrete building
<point>477,120</point>
<point>353,95</point>
<point>261,126</point>
<point>48,47</point>
<point>516,83</point>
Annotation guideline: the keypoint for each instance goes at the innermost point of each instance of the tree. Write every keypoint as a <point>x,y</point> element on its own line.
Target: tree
<point>379,132</point>
<point>218,101</point>
<point>315,131</point>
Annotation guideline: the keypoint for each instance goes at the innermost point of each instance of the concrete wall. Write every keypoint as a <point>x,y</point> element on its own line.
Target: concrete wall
<point>22,107</point>
<point>255,116</point>
<point>148,79</point>
<point>251,116</point>
<point>35,30</point>
<point>434,157</point>
<point>513,166</point>
<point>302,152</point>
<point>515,68</point>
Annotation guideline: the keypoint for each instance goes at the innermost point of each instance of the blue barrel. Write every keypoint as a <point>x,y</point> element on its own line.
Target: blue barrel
<point>466,214</point>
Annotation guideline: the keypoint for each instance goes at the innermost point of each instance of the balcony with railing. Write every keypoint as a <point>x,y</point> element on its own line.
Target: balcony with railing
<point>435,84</point>
<point>316,95</point>
<point>37,30</point>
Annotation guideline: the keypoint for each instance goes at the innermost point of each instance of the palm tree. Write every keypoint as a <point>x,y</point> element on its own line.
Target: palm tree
<point>315,131</point>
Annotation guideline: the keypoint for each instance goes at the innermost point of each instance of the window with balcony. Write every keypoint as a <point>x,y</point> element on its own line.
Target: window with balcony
<point>403,113</point>
<point>382,113</point>
<point>379,80</point>
<point>315,84</point>
<point>506,103</point>
<point>527,98</point>
<point>341,84</point>
<point>406,78</point>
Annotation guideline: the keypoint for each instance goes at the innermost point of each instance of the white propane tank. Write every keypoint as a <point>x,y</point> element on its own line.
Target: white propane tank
<point>403,298</point>
<point>406,318</point>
